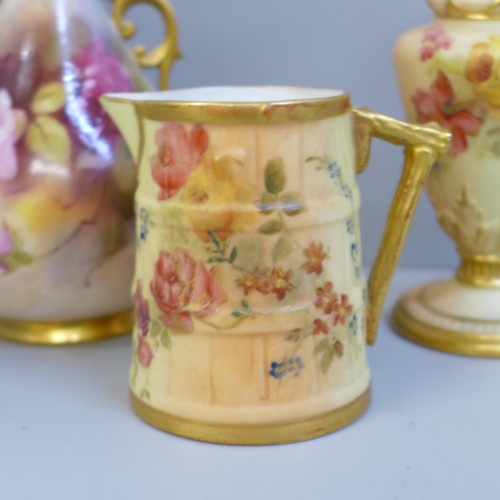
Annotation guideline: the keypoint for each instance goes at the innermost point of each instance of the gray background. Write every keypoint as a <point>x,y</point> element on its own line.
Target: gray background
<point>333,43</point>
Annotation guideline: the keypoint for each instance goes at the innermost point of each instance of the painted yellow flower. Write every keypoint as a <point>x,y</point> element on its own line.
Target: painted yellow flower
<point>483,73</point>
<point>215,200</point>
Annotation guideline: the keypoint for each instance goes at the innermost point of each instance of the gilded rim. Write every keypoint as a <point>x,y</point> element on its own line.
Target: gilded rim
<point>67,332</point>
<point>231,113</point>
<point>254,434</point>
<point>453,11</point>
<point>468,344</point>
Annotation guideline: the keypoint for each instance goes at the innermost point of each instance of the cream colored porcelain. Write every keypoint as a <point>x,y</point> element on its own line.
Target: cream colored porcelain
<point>251,307</point>
<point>449,73</point>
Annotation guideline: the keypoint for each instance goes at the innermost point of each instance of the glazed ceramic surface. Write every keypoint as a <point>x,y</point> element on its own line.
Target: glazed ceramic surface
<point>249,296</point>
<point>449,73</point>
<point>66,176</point>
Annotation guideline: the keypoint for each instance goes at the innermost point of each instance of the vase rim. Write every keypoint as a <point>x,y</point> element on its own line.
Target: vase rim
<point>477,10</point>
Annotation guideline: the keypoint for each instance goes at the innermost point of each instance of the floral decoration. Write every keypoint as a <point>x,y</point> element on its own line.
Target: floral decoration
<point>201,280</point>
<point>434,39</point>
<point>178,153</point>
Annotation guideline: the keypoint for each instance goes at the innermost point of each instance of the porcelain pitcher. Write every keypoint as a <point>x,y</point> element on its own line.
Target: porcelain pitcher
<point>251,309</point>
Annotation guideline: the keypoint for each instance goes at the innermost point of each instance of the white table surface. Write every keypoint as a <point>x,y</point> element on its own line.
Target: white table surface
<point>67,432</point>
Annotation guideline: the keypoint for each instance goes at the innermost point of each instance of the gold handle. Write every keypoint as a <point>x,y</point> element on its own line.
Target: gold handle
<point>165,54</point>
<point>454,11</point>
<point>423,146</point>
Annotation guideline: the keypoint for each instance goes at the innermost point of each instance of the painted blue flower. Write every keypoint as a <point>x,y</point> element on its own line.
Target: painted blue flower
<point>354,252</point>
<point>278,370</point>
<point>295,365</point>
<point>346,191</point>
<point>353,325</point>
<point>334,169</point>
<point>350,226</point>
<point>144,217</point>
<point>292,365</point>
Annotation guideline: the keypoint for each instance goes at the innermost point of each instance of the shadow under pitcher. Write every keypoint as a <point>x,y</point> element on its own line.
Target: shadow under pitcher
<point>252,314</point>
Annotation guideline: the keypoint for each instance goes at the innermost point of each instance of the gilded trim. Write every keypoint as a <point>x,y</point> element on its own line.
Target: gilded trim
<point>480,270</point>
<point>254,434</point>
<point>232,113</point>
<point>468,344</point>
<point>67,332</point>
<point>453,11</point>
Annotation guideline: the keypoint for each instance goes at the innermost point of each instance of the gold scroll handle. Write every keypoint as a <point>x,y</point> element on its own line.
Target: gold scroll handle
<point>423,146</point>
<point>162,56</point>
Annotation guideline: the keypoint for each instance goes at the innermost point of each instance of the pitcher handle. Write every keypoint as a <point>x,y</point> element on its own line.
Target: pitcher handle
<point>162,56</point>
<point>423,146</point>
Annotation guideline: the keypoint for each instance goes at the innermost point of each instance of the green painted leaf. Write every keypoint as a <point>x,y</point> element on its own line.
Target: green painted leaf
<point>496,148</point>
<point>249,253</point>
<point>292,204</point>
<point>145,394</point>
<point>271,227</point>
<point>156,329</point>
<point>215,239</point>
<point>327,359</point>
<point>245,305</point>
<point>315,158</point>
<point>282,249</point>
<point>238,313</point>
<point>493,131</point>
<point>166,341</point>
<point>274,176</point>
<point>339,348</point>
<point>268,203</point>
<point>322,346</point>
<point>233,255</point>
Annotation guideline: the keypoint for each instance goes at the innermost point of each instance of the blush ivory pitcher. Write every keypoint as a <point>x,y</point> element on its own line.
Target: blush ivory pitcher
<point>252,314</point>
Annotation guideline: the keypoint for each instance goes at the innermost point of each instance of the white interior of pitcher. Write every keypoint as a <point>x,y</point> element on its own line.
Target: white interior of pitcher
<point>235,94</point>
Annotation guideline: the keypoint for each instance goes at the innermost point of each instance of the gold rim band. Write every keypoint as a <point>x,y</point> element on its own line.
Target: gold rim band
<point>468,344</point>
<point>480,270</point>
<point>232,113</point>
<point>453,11</point>
<point>67,332</point>
<point>254,434</point>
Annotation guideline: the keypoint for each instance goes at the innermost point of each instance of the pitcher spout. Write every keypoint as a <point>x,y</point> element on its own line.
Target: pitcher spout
<point>123,112</point>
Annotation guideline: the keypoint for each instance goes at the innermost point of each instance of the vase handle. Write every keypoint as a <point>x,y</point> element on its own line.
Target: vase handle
<point>162,56</point>
<point>423,146</point>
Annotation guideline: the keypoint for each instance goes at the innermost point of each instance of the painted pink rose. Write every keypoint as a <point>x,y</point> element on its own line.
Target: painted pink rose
<point>141,309</point>
<point>434,39</point>
<point>144,351</point>
<point>182,288</point>
<point>439,106</point>
<point>6,246</point>
<point>178,154</point>
<point>8,155</point>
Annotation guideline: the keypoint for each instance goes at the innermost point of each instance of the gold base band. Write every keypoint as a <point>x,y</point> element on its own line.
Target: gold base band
<point>480,270</point>
<point>67,332</point>
<point>254,434</point>
<point>468,344</point>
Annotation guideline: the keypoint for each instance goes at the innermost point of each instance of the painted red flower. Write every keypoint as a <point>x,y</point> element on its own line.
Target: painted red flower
<point>144,352</point>
<point>280,282</point>
<point>178,154</point>
<point>434,39</point>
<point>141,309</point>
<point>320,327</point>
<point>342,310</point>
<point>182,287</point>
<point>315,257</point>
<point>327,298</point>
<point>436,106</point>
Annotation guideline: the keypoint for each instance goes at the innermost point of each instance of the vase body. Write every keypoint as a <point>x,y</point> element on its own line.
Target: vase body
<point>449,73</point>
<point>251,307</point>
<point>66,176</point>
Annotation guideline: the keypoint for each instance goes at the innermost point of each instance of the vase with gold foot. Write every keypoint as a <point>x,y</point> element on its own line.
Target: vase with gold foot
<point>67,179</point>
<point>449,73</point>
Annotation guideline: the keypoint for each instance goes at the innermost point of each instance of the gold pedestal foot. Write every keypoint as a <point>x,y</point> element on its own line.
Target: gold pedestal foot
<point>451,316</point>
<point>67,332</point>
<point>254,434</point>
